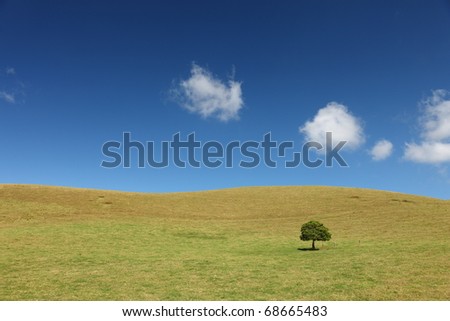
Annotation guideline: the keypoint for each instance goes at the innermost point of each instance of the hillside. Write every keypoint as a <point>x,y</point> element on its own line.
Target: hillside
<point>232,244</point>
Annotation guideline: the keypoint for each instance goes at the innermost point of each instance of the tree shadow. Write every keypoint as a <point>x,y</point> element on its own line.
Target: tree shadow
<point>307,249</point>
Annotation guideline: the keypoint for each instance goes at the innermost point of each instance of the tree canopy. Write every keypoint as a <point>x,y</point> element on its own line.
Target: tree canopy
<point>314,231</point>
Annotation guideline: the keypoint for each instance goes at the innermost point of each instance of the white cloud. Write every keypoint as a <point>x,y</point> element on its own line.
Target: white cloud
<point>10,71</point>
<point>335,118</point>
<point>9,98</point>
<point>208,96</point>
<point>436,120</point>
<point>435,126</point>
<point>428,152</point>
<point>382,150</point>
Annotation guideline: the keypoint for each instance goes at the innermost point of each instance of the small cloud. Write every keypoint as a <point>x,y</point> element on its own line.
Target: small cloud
<point>208,96</point>
<point>436,119</point>
<point>8,97</point>
<point>10,71</point>
<point>435,131</point>
<point>382,150</point>
<point>335,118</point>
<point>428,152</point>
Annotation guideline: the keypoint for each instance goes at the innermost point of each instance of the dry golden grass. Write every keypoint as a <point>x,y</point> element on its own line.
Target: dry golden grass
<point>233,244</point>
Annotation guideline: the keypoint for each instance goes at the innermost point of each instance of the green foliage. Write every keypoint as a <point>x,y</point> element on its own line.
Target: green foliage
<point>314,231</point>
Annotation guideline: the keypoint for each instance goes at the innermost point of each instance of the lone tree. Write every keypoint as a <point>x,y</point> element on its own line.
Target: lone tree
<point>314,231</point>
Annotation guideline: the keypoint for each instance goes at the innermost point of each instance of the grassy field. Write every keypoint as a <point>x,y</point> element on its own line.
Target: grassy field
<point>233,244</point>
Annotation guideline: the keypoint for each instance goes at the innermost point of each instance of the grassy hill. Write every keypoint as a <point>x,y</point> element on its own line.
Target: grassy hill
<point>233,244</point>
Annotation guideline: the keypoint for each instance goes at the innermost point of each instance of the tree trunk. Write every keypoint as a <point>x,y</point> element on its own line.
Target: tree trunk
<point>313,246</point>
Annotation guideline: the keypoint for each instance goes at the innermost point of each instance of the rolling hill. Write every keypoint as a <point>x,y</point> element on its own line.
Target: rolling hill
<point>234,244</point>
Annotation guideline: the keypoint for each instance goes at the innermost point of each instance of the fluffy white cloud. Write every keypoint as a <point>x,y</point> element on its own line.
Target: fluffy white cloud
<point>382,150</point>
<point>9,98</point>
<point>436,119</point>
<point>435,125</point>
<point>428,152</point>
<point>208,96</point>
<point>335,118</point>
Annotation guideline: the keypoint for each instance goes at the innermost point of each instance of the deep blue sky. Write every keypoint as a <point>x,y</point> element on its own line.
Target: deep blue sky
<point>75,74</point>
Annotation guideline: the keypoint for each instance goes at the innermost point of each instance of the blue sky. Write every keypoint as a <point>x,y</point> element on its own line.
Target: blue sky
<point>75,74</point>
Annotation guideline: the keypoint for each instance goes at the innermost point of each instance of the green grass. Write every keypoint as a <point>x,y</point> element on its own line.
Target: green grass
<point>233,244</point>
